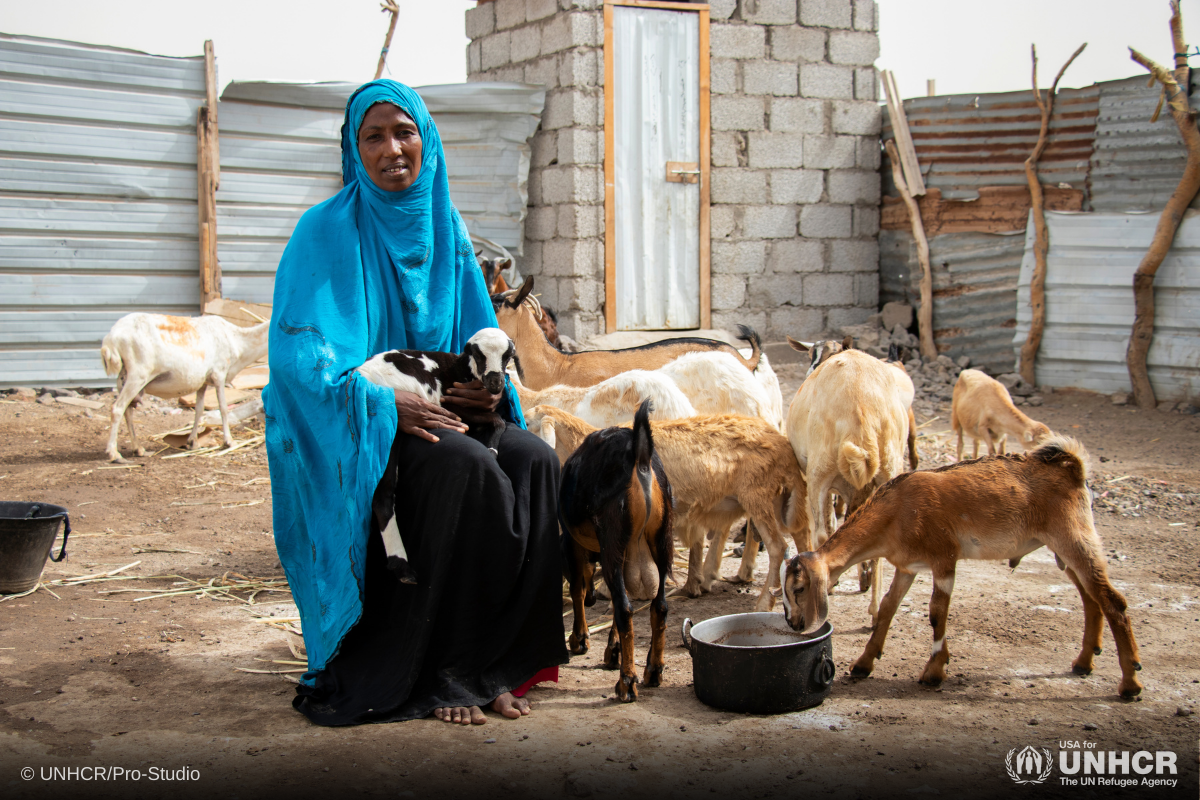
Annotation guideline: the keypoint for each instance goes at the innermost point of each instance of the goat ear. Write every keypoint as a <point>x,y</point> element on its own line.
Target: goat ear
<point>503,264</point>
<point>803,348</point>
<point>478,252</point>
<point>775,592</point>
<point>848,343</point>
<point>522,293</point>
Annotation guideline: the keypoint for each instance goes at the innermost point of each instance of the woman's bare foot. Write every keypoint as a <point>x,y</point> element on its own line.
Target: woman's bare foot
<point>509,706</point>
<point>463,716</point>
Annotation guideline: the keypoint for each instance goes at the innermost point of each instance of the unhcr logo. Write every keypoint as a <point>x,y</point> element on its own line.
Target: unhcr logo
<point>1029,765</point>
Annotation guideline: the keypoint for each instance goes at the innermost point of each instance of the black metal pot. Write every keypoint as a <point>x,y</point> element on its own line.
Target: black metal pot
<point>755,663</point>
<point>27,532</point>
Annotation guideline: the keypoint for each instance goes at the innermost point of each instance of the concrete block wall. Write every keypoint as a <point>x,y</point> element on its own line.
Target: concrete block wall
<point>795,157</point>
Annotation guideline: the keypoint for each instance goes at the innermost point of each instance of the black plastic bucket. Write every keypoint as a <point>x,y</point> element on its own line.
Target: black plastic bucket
<point>754,663</point>
<point>27,532</point>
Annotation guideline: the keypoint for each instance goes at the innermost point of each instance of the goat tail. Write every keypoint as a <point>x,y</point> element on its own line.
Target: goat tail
<point>857,465</point>
<point>751,337</point>
<point>111,357</point>
<point>1065,451</point>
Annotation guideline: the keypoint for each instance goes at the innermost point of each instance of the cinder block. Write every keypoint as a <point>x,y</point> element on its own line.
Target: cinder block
<point>570,30</point>
<point>579,67</point>
<point>769,222</point>
<point>826,13</point>
<point>796,255</point>
<point>580,295</point>
<point>827,152</point>
<point>805,324</point>
<point>825,222</point>
<point>578,258</point>
<point>728,292</point>
<point>480,21</point>
<point>854,255</point>
<point>526,43</point>
<point>869,153</point>
<point>723,222</point>
<point>570,107</point>
<point>827,290</point>
<point>797,185</point>
<point>769,12</point>
<point>739,258</point>
<point>579,146</point>
<point>827,80</point>
<point>543,72</point>
<point>721,9</point>
<point>531,261</point>
<point>797,115</point>
<point>539,9</point>
<point>853,186</point>
<point>739,186</point>
<point>798,44</point>
<point>774,150</point>
<point>544,147</point>
<point>535,187</point>
<point>866,84</point>
<point>729,149</point>
<point>507,74</point>
<point>838,318</point>
<point>769,77</point>
<point>866,221</point>
<point>866,15</point>
<point>580,222</point>
<point>723,76</point>
<point>738,41</point>
<point>866,290</point>
<point>495,51</point>
<point>541,223</point>
<point>571,185</point>
<point>768,291</point>
<point>859,48</point>
<point>509,13</point>
<point>547,287</point>
<point>473,57</point>
<point>729,320</point>
<point>735,113</point>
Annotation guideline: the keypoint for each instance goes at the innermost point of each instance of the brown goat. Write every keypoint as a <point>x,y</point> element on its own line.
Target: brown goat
<point>543,366</point>
<point>983,409</point>
<point>492,267</point>
<point>999,507</point>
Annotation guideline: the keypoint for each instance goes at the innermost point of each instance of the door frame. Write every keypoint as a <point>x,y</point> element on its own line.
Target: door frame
<point>610,169</point>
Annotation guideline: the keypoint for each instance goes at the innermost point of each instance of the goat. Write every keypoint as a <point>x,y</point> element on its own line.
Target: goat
<point>983,408</point>
<point>848,424</point>
<point>615,504</point>
<point>492,269</point>
<point>169,357</point>
<point>544,366</point>
<point>615,400</point>
<point>992,508</point>
<point>721,468</point>
<point>427,374</point>
<point>820,352</point>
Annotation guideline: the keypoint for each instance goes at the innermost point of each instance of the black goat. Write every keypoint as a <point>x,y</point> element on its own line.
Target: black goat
<point>615,505</point>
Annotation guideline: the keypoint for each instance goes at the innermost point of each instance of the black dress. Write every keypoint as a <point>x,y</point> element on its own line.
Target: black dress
<point>486,613</point>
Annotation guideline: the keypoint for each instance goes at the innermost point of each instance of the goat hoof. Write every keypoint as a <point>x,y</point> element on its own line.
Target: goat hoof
<point>692,589</point>
<point>141,451</point>
<point>577,647</point>
<point>1081,670</point>
<point>402,570</point>
<point>1097,650</point>
<point>1131,692</point>
<point>931,682</point>
<point>859,672</point>
<point>627,691</point>
<point>612,660</point>
<point>653,676</point>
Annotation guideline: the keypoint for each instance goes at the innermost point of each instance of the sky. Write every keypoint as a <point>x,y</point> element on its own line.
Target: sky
<point>967,46</point>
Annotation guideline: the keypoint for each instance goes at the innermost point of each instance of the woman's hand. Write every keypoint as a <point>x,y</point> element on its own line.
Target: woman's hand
<point>417,416</point>
<point>471,395</point>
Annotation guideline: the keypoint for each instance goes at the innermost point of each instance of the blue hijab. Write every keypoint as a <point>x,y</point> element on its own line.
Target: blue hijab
<point>366,271</point>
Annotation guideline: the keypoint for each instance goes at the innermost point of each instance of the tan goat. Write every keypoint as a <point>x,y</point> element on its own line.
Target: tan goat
<point>848,425</point>
<point>1001,507</point>
<point>983,409</point>
<point>721,468</point>
<point>543,366</point>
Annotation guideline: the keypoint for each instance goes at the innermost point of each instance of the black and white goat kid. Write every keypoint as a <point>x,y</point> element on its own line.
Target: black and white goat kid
<point>427,374</point>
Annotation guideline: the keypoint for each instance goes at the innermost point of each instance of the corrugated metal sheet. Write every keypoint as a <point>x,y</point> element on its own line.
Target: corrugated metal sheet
<point>967,141</point>
<point>974,290</point>
<point>1089,304</point>
<point>1136,163</point>
<point>281,154</point>
<point>97,200</point>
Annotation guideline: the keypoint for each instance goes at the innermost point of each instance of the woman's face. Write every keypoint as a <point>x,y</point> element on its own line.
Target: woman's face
<point>389,144</point>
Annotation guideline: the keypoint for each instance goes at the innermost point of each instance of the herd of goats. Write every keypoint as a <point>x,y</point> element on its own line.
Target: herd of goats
<point>682,438</point>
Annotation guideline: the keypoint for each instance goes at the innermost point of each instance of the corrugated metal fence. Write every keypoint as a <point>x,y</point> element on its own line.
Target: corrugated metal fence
<point>98,209</point>
<point>97,200</point>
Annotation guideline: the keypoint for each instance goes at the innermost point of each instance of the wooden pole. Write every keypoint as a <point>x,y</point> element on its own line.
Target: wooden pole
<point>1172,215</point>
<point>208,172</point>
<point>387,6</point>
<point>1041,245</point>
<point>925,313</point>
<point>210,93</point>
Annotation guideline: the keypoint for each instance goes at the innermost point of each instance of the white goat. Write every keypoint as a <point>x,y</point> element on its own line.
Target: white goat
<point>169,357</point>
<point>615,400</point>
<point>983,409</point>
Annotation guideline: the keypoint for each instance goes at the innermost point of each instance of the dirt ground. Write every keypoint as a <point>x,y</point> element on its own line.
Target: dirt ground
<point>90,679</point>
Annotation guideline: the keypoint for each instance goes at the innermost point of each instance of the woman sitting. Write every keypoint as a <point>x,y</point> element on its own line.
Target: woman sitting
<point>387,264</point>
